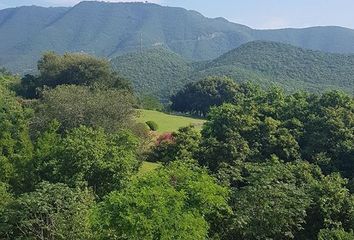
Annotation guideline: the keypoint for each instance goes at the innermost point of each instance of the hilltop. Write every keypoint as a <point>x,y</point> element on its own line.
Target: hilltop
<point>112,29</point>
<point>161,72</point>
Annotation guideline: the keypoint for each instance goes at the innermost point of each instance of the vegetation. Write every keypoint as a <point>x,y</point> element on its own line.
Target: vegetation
<point>85,27</point>
<point>71,68</point>
<point>157,72</point>
<point>169,122</point>
<point>75,105</point>
<point>162,74</point>
<point>197,98</point>
<point>152,125</point>
<point>290,67</point>
<point>266,164</point>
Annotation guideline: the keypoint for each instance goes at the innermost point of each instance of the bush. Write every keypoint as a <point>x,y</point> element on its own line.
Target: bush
<point>152,125</point>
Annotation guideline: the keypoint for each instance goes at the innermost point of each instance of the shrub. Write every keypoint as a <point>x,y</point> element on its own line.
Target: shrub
<point>152,125</point>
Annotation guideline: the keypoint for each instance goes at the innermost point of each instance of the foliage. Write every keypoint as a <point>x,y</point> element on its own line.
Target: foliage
<point>198,98</point>
<point>169,122</point>
<point>150,102</point>
<point>53,211</point>
<point>335,234</point>
<point>155,72</point>
<point>73,106</point>
<point>87,157</point>
<point>152,125</point>
<point>174,202</point>
<point>71,68</point>
<point>179,146</point>
<point>263,63</point>
<point>292,127</point>
<point>269,200</point>
<point>15,143</point>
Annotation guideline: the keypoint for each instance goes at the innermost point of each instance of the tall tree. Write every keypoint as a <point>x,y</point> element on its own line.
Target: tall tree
<point>197,98</point>
<point>174,202</point>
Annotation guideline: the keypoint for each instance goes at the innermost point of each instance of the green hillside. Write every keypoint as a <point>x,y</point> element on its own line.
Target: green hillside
<point>112,29</point>
<point>161,73</point>
<point>158,71</point>
<point>291,67</point>
<point>167,122</point>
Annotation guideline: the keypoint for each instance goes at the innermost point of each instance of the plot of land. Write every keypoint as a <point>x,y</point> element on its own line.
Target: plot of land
<point>167,122</point>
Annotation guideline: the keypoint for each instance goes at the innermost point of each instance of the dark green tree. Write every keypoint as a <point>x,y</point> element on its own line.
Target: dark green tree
<point>73,106</point>
<point>53,211</point>
<point>71,69</point>
<point>197,98</point>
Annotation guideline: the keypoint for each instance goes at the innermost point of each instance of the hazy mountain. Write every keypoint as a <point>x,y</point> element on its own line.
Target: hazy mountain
<point>161,72</point>
<point>112,29</point>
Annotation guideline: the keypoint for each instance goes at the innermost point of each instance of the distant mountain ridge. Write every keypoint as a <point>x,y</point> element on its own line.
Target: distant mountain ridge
<point>160,72</point>
<point>113,29</point>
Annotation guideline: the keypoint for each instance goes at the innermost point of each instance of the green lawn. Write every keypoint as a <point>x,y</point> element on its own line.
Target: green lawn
<point>147,167</point>
<point>169,123</point>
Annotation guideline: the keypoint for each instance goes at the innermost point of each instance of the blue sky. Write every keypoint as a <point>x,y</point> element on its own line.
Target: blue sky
<point>254,13</point>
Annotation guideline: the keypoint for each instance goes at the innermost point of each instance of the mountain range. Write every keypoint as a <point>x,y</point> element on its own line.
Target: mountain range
<point>160,72</point>
<point>113,29</point>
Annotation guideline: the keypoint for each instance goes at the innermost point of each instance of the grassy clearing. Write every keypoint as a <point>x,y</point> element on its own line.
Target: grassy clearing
<point>147,167</point>
<point>167,122</point>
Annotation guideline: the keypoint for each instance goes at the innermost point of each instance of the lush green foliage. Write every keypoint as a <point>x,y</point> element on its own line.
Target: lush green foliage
<point>53,211</point>
<point>180,195</point>
<point>290,67</point>
<point>179,145</point>
<point>197,98</point>
<point>157,72</point>
<point>71,68</point>
<point>318,129</point>
<point>161,73</point>
<point>150,102</point>
<point>281,156</point>
<point>152,125</point>
<point>74,105</point>
<point>15,144</point>
<point>266,165</point>
<point>86,157</point>
<point>335,234</point>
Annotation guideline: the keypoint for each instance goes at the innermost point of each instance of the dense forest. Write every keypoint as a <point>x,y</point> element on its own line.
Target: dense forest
<point>112,29</point>
<point>267,164</point>
<point>161,72</point>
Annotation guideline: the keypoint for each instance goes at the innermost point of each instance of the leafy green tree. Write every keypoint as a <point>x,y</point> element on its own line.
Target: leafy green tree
<point>328,133</point>
<point>85,156</point>
<point>182,145</point>
<point>150,102</point>
<point>332,207</point>
<point>173,202</point>
<point>53,211</point>
<point>197,98</point>
<point>269,200</point>
<point>15,143</point>
<point>71,68</point>
<point>335,234</point>
<point>5,199</point>
<point>73,106</point>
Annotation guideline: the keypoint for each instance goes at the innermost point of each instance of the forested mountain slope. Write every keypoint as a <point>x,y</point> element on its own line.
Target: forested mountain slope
<point>292,67</point>
<point>112,29</point>
<point>158,72</point>
<point>161,72</point>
